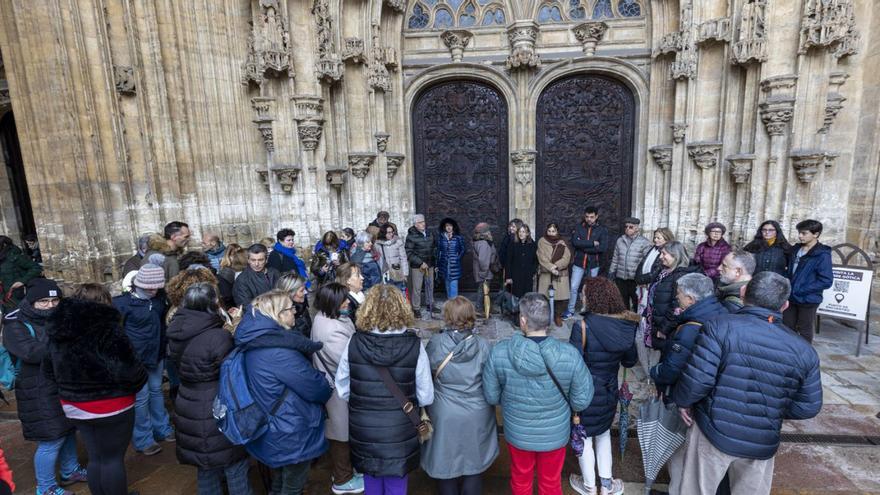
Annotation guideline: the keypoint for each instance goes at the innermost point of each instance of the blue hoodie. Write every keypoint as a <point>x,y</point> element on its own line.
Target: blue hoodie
<point>279,359</point>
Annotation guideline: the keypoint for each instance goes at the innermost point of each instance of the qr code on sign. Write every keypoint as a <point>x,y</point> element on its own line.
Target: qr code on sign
<point>841,286</point>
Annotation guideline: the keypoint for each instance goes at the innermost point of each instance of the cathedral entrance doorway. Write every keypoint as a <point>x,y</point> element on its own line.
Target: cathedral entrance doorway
<point>460,159</point>
<point>584,139</point>
<point>14,197</point>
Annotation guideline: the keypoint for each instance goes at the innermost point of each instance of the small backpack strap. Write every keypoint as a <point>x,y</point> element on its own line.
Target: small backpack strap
<point>584,336</point>
<point>449,356</point>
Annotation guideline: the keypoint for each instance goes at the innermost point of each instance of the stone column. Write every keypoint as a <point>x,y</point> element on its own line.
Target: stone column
<point>741,172</point>
<point>308,112</point>
<point>705,156</point>
<point>776,111</point>
<point>662,156</point>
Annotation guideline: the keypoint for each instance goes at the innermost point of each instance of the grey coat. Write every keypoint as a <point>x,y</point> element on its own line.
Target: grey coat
<point>483,253</point>
<point>628,253</point>
<point>465,440</point>
<point>335,335</point>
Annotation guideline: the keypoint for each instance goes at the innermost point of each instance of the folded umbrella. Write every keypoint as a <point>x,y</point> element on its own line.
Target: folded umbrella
<point>624,397</point>
<point>661,432</point>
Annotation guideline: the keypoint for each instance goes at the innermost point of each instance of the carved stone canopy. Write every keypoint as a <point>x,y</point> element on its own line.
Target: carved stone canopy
<point>741,167</point>
<point>523,164</point>
<point>829,24</point>
<point>833,106</point>
<point>750,44</point>
<point>807,162</point>
<point>360,162</point>
<point>286,176</point>
<point>662,155</point>
<point>329,70</point>
<point>381,141</point>
<point>522,36</point>
<point>268,44</point>
<point>264,107</point>
<point>776,113</point>
<point>309,133</point>
<point>589,34</point>
<point>704,153</point>
<point>456,40</point>
<point>308,107</point>
<point>353,50</point>
<point>679,131</point>
<point>394,162</point>
<point>714,30</point>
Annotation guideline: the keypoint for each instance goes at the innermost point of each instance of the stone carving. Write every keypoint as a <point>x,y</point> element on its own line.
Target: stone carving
<point>309,116</point>
<point>336,176</point>
<point>286,177</point>
<point>389,58</point>
<point>396,5</point>
<point>378,77</point>
<point>662,156</point>
<point>381,141</point>
<point>5,100</point>
<point>704,153</point>
<point>776,113</point>
<point>124,78</point>
<point>394,162</point>
<point>669,43</point>
<point>329,67</point>
<point>268,45</point>
<point>751,41</point>
<point>714,30</point>
<point>589,34</point>
<point>741,167</point>
<point>523,164</point>
<point>264,178</point>
<point>265,128</point>
<point>685,64</point>
<point>360,162</point>
<point>309,133</point>
<point>833,106</point>
<point>522,36</point>
<point>353,50</point>
<point>806,163</point>
<point>829,24</point>
<point>456,40</point>
<point>830,156</point>
<point>263,106</point>
<point>679,130</point>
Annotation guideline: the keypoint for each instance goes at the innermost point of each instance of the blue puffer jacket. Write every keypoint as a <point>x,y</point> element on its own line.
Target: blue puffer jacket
<point>536,417</point>
<point>813,275</point>
<point>144,324</point>
<point>369,267</point>
<point>449,253</point>
<point>275,361</point>
<point>748,372</point>
<point>679,346</point>
<point>610,345</point>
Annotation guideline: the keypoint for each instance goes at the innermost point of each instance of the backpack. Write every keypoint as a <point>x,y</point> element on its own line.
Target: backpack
<point>9,369</point>
<point>235,409</point>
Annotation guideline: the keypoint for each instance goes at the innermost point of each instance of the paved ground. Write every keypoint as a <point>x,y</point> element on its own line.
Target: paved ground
<point>831,453</point>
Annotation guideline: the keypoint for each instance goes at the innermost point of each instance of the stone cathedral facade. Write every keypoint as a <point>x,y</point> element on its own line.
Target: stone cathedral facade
<point>243,116</point>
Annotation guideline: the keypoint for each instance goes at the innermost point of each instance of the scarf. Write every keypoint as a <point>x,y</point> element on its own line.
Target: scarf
<point>649,309</point>
<point>557,243</point>
<point>771,242</point>
<point>300,265</point>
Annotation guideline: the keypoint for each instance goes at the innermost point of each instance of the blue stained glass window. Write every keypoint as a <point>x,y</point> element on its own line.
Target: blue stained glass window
<point>603,10</point>
<point>442,19</point>
<point>468,16</point>
<point>419,18</point>
<point>499,16</point>
<point>549,13</point>
<point>629,8</point>
<point>431,3</point>
<point>494,15</point>
<point>484,2</point>
<point>455,4</point>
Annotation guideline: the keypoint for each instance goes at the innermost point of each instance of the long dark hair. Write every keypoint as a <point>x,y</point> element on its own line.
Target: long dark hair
<point>758,244</point>
<point>330,298</point>
<point>201,296</point>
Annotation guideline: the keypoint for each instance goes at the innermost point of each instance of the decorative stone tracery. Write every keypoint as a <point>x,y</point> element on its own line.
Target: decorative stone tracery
<point>522,36</point>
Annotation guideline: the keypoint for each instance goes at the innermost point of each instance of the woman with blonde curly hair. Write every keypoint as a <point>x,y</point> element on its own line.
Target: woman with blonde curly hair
<point>384,442</point>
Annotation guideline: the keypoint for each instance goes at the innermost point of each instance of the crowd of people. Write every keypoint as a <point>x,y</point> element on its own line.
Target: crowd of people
<point>720,333</point>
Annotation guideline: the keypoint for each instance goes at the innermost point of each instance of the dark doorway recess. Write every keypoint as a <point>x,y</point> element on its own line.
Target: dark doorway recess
<point>460,159</point>
<point>15,171</point>
<point>585,127</point>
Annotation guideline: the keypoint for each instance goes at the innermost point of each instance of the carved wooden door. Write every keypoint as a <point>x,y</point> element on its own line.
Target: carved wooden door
<point>460,160</point>
<point>585,148</point>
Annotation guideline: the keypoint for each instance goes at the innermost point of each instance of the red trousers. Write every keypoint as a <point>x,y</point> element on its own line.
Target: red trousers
<point>522,471</point>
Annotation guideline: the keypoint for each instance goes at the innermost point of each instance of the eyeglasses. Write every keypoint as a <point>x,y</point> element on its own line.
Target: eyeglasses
<point>630,227</point>
<point>715,232</point>
<point>286,310</point>
<point>768,230</point>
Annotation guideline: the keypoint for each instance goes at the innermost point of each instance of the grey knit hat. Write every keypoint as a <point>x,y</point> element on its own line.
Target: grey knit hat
<point>150,276</point>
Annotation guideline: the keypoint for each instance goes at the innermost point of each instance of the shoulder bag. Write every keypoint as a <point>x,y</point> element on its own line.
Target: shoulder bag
<point>575,419</point>
<point>421,422</point>
<point>448,357</point>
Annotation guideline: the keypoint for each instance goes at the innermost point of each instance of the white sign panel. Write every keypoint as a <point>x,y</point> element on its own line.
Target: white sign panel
<point>849,295</point>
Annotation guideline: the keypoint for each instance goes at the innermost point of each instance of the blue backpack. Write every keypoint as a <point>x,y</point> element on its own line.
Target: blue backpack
<point>9,369</point>
<point>238,415</point>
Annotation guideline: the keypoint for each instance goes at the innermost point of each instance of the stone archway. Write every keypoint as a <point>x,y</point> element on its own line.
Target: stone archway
<point>584,138</point>
<point>460,158</point>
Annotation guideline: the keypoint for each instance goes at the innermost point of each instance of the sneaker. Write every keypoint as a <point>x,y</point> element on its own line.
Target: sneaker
<point>54,490</point>
<point>577,484</point>
<point>567,315</point>
<point>79,475</point>
<point>354,485</point>
<point>616,488</point>
<point>170,437</point>
<point>151,450</point>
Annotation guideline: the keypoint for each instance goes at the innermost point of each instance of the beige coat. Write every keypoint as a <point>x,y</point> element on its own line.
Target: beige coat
<point>335,335</point>
<point>560,283</point>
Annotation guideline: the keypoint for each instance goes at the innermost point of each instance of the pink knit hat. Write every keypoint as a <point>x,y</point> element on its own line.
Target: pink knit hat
<point>150,276</point>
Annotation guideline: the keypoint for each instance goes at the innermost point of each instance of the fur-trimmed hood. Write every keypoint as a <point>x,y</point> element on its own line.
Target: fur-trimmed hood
<point>159,244</point>
<point>77,319</point>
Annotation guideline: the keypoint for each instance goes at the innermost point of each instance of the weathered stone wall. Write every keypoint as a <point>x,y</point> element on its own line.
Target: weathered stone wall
<point>245,115</point>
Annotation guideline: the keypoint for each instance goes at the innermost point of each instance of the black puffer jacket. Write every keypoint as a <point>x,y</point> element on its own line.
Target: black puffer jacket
<point>39,409</point>
<point>90,357</point>
<point>770,258</point>
<point>198,344</point>
<point>664,302</point>
<point>383,440</point>
<point>250,284</point>
<point>420,247</point>
<point>610,345</point>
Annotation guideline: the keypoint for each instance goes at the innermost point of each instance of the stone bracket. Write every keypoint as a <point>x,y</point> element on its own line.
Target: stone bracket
<point>589,34</point>
<point>123,76</point>
<point>522,36</point>
<point>353,50</point>
<point>382,141</point>
<point>394,162</point>
<point>360,162</point>
<point>456,40</point>
<point>704,153</point>
<point>336,176</point>
<point>741,167</point>
<point>806,163</point>
<point>264,106</point>
<point>308,112</point>
<point>714,30</point>
<point>662,155</point>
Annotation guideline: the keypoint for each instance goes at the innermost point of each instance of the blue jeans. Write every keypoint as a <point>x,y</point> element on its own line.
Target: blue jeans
<point>451,288</point>
<point>577,276</point>
<point>150,417</point>
<point>209,480</point>
<point>48,453</point>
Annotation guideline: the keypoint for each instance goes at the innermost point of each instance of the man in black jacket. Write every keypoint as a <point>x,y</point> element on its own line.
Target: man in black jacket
<point>256,279</point>
<point>420,247</point>
<point>747,374</point>
<point>590,240</point>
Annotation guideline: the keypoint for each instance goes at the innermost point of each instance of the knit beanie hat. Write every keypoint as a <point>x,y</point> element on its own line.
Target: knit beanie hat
<point>150,276</point>
<point>41,288</point>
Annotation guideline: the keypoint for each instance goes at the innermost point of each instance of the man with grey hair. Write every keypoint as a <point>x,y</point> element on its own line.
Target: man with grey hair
<point>736,270</point>
<point>538,380</point>
<point>420,246</point>
<point>747,374</point>
<point>629,250</point>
